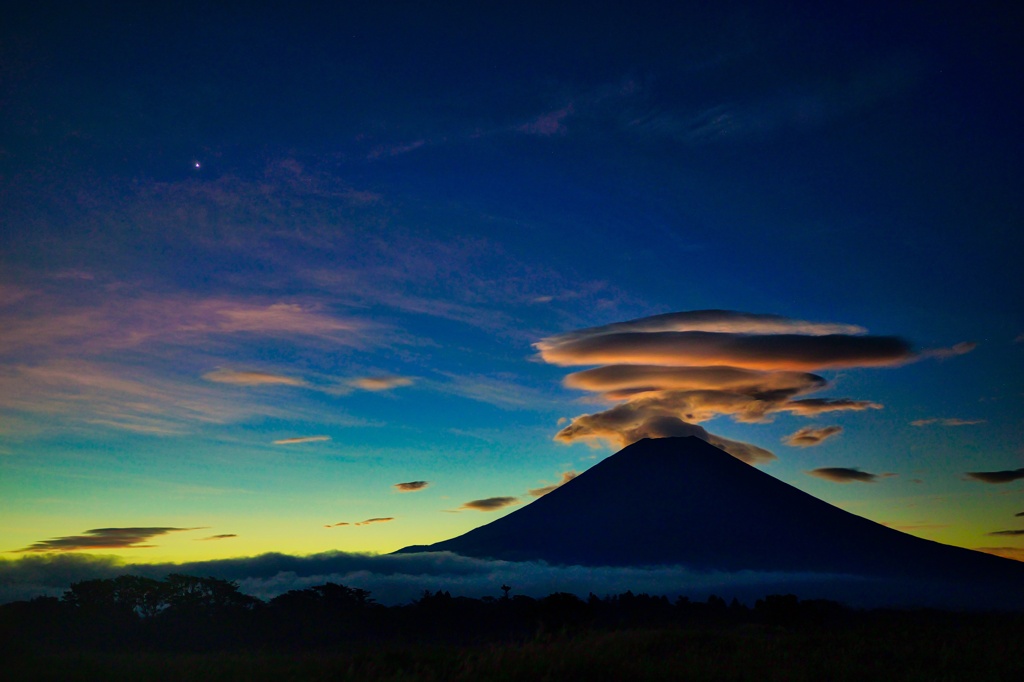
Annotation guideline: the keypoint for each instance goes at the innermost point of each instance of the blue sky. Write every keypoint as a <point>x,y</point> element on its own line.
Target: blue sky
<point>258,266</point>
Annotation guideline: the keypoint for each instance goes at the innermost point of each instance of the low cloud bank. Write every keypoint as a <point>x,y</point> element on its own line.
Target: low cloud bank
<point>402,578</point>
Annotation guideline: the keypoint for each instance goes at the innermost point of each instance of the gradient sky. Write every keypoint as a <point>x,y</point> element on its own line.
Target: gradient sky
<point>299,280</point>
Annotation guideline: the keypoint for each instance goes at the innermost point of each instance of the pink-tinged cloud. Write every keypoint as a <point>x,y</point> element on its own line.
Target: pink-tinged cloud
<point>846,475</point>
<point>997,477</point>
<point>953,351</point>
<point>659,378</point>
<point>809,407</point>
<point>381,383</point>
<point>566,476</point>
<point>490,503</point>
<point>251,378</point>
<point>410,486</point>
<point>947,422</point>
<point>104,538</point>
<point>302,439</point>
<point>551,123</point>
<point>810,436</point>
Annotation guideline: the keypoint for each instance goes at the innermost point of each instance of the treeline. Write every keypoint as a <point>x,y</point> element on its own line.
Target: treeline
<point>187,613</point>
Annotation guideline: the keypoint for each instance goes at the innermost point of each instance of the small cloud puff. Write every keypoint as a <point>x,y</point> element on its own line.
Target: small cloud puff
<point>301,439</point>
<point>381,383</point>
<point>367,522</point>
<point>810,436</point>
<point>104,538</point>
<point>223,536</point>
<point>846,475</point>
<point>490,503</point>
<point>410,486</point>
<point>997,476</point>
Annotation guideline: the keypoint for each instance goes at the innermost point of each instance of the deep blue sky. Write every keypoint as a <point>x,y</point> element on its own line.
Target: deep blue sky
<point>225,228</point>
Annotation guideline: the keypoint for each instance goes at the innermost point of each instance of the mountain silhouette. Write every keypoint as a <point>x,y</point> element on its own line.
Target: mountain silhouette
<point>684,502</point>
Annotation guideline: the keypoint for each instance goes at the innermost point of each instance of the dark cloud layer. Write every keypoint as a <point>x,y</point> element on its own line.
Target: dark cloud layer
<point>104,538</point>
<point>1007,532</point>
<point>402,578</point>
<point>997,476</point>
<point>846,475</point>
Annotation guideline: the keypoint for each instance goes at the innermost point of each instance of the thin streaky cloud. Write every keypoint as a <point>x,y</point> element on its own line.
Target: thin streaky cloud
<point>301,439</point>
<point>846,475</point>
<point>410,486</point>
<point>947,422</point>
<point>810,436</point>
<point>381,383</point>
<point>490,503</point>
<point>1007,532</point>
<point>378,519</point>
<point>251,378</point>
<point>222,536</point>
<point>104,538</point>
<point>565,477</point>
<point>997,477</point>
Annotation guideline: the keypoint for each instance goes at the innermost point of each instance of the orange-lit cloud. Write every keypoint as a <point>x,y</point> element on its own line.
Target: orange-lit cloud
<point>251,378</point>
<point>301,439</point>
<point>104,538</point>
<point>810,436</point>
<point>947,422</point>
<point>410,486</point>
<point>669,372</point>
<point>382,383</point>
<point>846,475</point>
<point>379,519</point>
<point>490,503</point>
<point>997,476</point>
<point>566,476</point>
<point>336,525</point>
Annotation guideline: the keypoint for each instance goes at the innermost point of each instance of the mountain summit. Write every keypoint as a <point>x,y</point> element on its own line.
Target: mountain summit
<point>684,502</point>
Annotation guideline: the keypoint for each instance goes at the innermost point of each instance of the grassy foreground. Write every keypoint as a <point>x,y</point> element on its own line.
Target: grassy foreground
<point>897,650</point>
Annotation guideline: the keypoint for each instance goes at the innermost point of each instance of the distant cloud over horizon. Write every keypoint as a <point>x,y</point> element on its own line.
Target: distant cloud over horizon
<point>846,475</point>
<point>410,486</point>
<point>104,538</point>
<point>997,477</point>
<point>222,536</point>
<point>490,503</point>
<point>1017,531</point>
<point>810,436</point>
<point>667,373</point>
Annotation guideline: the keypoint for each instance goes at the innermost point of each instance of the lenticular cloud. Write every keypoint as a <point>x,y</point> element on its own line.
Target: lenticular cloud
<point>668,373</point>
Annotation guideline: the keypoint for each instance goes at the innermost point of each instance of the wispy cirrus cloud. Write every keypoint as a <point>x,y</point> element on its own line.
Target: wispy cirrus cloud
<point>669,372</point>
<point>846,475</point>
<point>810,436</point>
<point>365,522</point>
<point>490,503</point>
<point>410,486</point>
<point>104,538</point>
<point>997,477</point>
<point>301,439</point>
<point>222,536</point>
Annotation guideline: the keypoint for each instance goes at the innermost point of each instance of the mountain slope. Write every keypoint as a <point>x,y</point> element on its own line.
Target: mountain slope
<point>681,501</point>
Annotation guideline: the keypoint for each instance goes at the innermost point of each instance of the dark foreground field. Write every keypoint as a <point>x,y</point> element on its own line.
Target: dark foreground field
<point>887,652</point>
<point>194,629</point>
